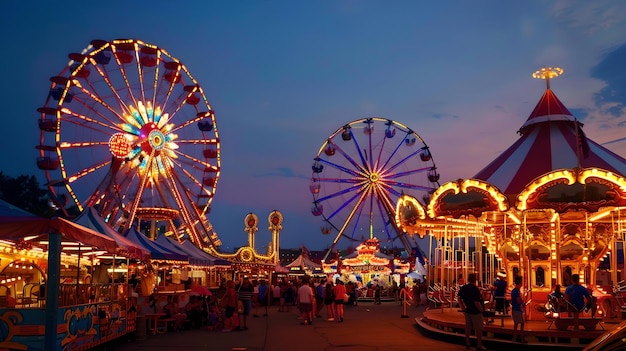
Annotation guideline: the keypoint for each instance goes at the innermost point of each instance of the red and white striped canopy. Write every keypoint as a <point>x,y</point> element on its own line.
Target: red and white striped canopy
<point>548,141</point>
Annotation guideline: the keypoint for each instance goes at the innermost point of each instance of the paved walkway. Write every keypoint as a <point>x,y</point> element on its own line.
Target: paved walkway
<point>367,327</point>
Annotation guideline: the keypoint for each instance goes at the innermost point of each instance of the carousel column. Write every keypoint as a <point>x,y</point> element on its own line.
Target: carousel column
<point>52,291</point>
<point>582,268</point>
<point>442,261</point>
<point>522,238</point>
<point>559,268</point>
<point>275,220</point>
<point>613,245</point>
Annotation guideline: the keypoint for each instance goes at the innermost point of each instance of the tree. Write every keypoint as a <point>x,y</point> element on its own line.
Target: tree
<point>25,193</point>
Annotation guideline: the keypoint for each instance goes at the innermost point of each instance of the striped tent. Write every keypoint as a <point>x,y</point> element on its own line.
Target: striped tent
<point>551,139</point>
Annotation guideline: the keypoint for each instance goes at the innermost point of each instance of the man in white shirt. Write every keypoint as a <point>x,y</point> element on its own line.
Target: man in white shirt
<point>305,301</point>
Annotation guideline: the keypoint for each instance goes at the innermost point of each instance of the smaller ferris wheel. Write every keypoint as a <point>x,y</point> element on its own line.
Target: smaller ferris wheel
<point>359,173</point>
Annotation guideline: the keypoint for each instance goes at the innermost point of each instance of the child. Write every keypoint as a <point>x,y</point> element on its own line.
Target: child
<point>212,317</point>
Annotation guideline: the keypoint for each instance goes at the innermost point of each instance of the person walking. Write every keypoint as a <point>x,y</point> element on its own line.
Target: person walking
<point>229,303</point>
<point>416,292</point>
<point>517,310</point>
<point>305,297</point>
<point>377,290</point>
<point>340,292</point>
<point>471,302</point>
<point>329,300</point>
<point>320,293</point>
<point>245,291</point>
<point>424,292</point>
<point>276,296</point>
<point>263,296</point>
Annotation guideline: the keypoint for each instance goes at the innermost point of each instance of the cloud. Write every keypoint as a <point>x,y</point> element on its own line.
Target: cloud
<point>590,17</point>
<point>443,115</point>
<point>610,70</point>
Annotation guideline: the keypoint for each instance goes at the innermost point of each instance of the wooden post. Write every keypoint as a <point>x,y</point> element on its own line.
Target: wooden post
<point>52,291</point>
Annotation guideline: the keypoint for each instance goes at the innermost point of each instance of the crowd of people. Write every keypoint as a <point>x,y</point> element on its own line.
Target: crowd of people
<point>309,296</point>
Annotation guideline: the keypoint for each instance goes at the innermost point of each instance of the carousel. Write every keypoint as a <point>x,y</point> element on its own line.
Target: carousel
<point>550,206</point>
<point>367,266</point>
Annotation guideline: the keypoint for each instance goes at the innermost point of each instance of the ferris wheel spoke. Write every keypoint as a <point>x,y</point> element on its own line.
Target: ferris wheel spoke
<point>112,127</point>
<point>176,76</point>
<point>93,95</point>
<point>386,201</point>
<point>196,141</point>
<point>190,217</point>
<point>402,161</point>
<point>155,78</point>
<point>395,150</point>
<point>192,121</point>
<point>188,164</point>
<point>407,173</point>
<point>343,153</point>
<point>194,159</point>
<point>356,219</point>
<point>341,192</point>
<point>393,185</point>
<point>181,101</point>
<point>71,178</point>
<point>143,181</point>
<point>342,168</point>
<point>370,157</point>
<point>346,203</point>
<point>140,72</point>
<point>81,144</point>
<point>384,214</point>
<point>122,67</point>
<point>358,149</point>
<point>194,180</point>
<point>380,153</point>
<point>339,180</point>
<point>103,72</point>
<point>183,166</point>
<point>350,216</point>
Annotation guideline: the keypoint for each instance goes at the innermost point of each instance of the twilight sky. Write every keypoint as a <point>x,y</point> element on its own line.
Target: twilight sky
<point>283,75</point>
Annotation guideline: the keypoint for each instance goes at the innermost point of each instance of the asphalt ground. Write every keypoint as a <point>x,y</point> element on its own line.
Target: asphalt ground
<point>366,327</point>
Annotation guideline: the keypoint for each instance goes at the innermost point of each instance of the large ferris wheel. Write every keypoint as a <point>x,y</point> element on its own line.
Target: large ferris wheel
<point>127,130</point>
<point>359,173</point>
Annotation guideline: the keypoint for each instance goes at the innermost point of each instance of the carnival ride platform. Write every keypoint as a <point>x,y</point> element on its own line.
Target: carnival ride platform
<point>450,322</point>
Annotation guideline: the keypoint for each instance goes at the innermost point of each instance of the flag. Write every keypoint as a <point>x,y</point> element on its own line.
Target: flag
<point>581,138</point>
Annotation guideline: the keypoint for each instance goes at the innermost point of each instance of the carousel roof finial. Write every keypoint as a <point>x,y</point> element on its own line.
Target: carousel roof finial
<point>548,73</point>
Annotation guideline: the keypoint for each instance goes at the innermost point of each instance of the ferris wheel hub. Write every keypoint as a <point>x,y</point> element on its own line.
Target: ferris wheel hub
<point>156,139</point>
<point>374,177</point>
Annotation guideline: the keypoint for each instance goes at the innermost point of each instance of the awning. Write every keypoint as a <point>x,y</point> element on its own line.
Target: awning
<point>90,219</point>
<point>215,261</point>
<point>16,224</point>
<point>156,251</point>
